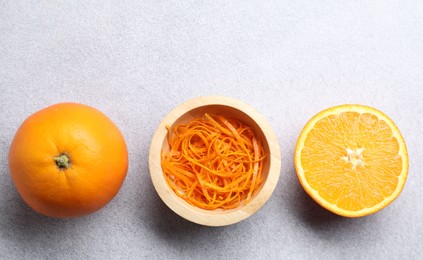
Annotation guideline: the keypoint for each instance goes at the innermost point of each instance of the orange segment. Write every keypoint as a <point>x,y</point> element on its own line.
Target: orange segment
<point>352,160</point>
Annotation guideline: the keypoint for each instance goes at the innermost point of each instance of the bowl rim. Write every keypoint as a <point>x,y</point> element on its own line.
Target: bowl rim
<point>212,217</point>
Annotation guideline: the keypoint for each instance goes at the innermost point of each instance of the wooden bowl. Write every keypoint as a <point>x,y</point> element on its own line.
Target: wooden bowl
<point>230,108</point>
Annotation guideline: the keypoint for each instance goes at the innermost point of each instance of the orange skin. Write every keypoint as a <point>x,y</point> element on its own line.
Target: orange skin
<point>97,160</point>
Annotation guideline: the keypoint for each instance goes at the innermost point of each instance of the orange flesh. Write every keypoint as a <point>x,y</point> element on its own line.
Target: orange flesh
<point>352,159</point>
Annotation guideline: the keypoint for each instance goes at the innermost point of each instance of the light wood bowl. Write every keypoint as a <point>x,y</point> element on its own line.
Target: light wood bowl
<point>230,108</point>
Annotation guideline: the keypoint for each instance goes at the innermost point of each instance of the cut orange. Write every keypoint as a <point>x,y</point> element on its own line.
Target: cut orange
<point>352,160</point>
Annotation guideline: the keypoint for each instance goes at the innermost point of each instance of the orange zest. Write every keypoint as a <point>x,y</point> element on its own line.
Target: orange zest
<point>213,162</point>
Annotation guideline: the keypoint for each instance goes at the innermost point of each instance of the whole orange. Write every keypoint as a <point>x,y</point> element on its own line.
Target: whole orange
<point>68,160</point>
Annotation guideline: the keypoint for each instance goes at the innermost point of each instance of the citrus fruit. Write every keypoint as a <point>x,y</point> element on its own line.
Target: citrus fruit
<point>352,160</point>
<point>68,160</point>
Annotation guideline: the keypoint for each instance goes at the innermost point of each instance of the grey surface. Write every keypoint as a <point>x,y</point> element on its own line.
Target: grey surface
<point>136,60</point>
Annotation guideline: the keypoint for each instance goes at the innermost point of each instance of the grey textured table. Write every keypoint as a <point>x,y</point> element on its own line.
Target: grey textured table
<point>136,60</point>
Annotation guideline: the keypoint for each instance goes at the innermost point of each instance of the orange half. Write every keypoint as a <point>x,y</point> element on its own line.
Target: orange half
<point>352,160</point>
